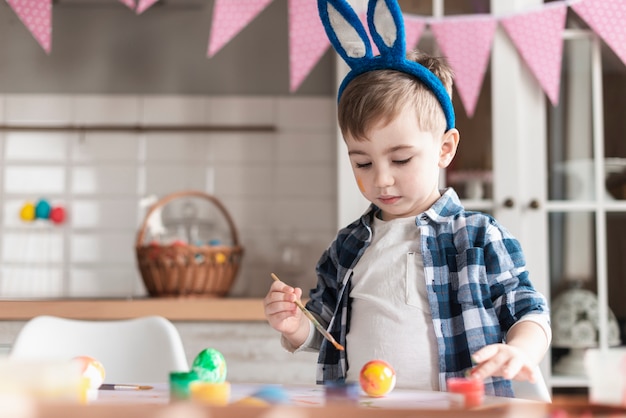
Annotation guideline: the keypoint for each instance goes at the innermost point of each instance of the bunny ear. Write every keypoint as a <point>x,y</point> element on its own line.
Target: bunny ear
<point>386,24</point>
<point>345,31</point>
<point>351,41</point>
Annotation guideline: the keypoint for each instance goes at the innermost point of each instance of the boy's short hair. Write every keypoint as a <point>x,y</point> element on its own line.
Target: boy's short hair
<point>379,96</point>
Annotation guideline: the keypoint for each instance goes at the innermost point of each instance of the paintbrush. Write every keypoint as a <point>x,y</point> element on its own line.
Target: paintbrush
<point>112,386</point>
<point>317,325</point>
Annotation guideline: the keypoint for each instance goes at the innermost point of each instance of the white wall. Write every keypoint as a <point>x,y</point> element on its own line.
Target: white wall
<point>280,187</point>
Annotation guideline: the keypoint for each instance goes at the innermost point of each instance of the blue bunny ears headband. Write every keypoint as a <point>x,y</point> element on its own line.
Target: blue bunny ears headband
<point>384,18</point>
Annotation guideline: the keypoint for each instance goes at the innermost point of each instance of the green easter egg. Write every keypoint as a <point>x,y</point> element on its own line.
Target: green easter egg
<point>210,366</point>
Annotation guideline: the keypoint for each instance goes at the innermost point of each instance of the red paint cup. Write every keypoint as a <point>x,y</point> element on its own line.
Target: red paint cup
<point>473,390</point>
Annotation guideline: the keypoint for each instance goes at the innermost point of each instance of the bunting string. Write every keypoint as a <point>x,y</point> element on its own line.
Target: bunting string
<point>466,40</point>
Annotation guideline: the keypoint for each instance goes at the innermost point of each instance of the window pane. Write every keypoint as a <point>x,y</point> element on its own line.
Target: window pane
<point>616,248</point>
<point>570,127</point>
<point>614,101</point>
<point>455,7</point>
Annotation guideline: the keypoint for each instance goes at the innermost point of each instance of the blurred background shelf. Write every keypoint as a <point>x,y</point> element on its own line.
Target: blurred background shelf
<point>562,381</point>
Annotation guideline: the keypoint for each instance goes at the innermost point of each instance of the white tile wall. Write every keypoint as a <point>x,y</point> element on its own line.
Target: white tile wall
<point>165,178</point>
<point>306,114</point>
<point>305,180</point>
<point>115,282</point>
<point>95,147</point>
<point>102,247</point>
<point>35,180</point>
<point>25,146</point>
<point>103,110</point>
<point>31,282</point>
<point>277,186</point>
<point>109,180</point>
<point>106,213</point>
<point>243,148</point>
<point>172,110</point>
<point>241,110</point>
<point>244,180</point>
<point>305,147</point>
<point>34,246</point>
<point>39,110</point>
<point>190,147</point>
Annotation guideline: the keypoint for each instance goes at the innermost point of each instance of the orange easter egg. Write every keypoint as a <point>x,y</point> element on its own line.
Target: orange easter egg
<point>220,258</point>
<point>377,378</point>
<point>92,370</point>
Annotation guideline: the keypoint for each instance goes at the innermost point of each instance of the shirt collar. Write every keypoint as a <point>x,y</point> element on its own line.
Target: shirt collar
<point>445,208</point>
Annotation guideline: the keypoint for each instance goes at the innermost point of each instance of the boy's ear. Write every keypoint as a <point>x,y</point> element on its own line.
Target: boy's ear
<point>449,144</point>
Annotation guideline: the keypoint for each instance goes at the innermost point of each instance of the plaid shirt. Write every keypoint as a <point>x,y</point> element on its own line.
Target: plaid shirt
<point>476,280</point>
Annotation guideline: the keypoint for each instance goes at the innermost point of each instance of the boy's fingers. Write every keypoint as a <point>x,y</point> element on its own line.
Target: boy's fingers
<point>528,373</point>
<point>485,353</point>
<point>282,287</point>
<point>511,369</point>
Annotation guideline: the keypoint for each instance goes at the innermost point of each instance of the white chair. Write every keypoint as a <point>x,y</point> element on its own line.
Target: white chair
<point>537,391</point>
<point>139,350</point>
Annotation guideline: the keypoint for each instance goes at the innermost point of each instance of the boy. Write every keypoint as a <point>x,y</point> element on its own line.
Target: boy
<point>416,281</point>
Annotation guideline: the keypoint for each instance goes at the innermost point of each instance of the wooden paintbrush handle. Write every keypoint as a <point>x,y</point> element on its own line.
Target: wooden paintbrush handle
<point>313,320</point>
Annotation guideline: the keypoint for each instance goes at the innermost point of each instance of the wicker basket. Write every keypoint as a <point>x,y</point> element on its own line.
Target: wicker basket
<point>188,270</point>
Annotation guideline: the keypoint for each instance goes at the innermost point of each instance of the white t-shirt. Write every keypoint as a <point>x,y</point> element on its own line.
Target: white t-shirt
<point>391,317</point>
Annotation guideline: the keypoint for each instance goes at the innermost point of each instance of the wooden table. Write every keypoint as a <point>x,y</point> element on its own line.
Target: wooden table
<point>308,402</point>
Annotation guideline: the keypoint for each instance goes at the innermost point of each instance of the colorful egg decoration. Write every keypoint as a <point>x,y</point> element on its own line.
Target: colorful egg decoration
<point>57,215</point>
<point>42,209</point>
<point>377,378</point>
<point>27,213</point>
<point>220,258</point>
<point>92,370</point>
<point>210,366</point>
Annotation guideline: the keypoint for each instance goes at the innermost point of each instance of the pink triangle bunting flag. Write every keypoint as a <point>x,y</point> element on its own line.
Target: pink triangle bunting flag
<point>466,43</point>
<point>538,37</point>
<point>129,3</point>
<point>413,29</point>
<point>144,5</point>
<point>606,18</point>
<point>307,40</point>
<point>36,15</point>
<point>229,18</point>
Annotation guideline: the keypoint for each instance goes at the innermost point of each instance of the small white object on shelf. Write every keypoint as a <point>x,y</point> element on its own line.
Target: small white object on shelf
<point>575,324</point>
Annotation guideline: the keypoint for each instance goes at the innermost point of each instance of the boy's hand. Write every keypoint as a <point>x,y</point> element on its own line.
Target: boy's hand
<point>503,360</point>
<point>284,315</point>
